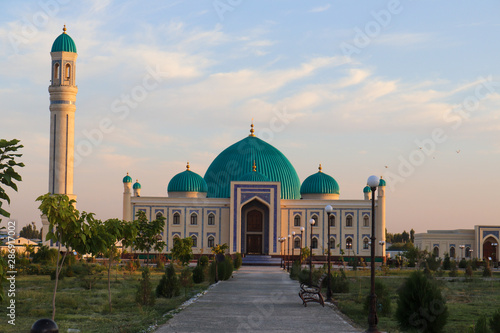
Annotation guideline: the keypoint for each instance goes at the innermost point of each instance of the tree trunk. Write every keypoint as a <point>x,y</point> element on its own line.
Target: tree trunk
<point>109,281</point>
<point>58,270</point>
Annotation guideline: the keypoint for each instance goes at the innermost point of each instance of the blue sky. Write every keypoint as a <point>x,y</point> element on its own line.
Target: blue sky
<point>409,90</point>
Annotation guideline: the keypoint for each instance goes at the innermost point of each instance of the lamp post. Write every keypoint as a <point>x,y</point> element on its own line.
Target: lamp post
<point>293,246</point>
<point>311,222</point>
<point>301,236</point>
<point>373,182</point>
<point>281,240</point>
<point>382,243</point>
<point>462,247</point>
<point>494,256</point>
<point>328,210</point>
<point>288,255</point>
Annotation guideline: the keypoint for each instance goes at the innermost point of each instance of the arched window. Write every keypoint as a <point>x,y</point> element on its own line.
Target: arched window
<point>467,252</point>
<point>194,219</point>
<point>436,251</point>
<point>315,218</point>
<point>332,243</point>
<point>452,252</point>
<point>348,243</point>
<point>211,241</point>
<point>331,220</point>
<point>195,241</point>
<point>57,70</point>
<point>296,221</point>
<point>159,215</point>
<point>68,71</point>
<point>348,221</point>
<point>296,243</point>
<point>366,244</point>
<point>177,218</point>
<point>314,243</point>
<point>366,221</point>
<point>176,239</point>
<point>211,219</point>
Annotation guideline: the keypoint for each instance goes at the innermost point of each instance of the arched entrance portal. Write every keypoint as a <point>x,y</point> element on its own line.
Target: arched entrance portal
<point>255,228</point>
<point>490,246</point>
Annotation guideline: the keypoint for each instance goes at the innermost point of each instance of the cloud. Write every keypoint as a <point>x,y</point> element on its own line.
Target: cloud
<point>319,9</point>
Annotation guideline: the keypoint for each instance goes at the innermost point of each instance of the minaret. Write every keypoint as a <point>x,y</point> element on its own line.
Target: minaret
<point>127,208</point>
<point>62,92</point>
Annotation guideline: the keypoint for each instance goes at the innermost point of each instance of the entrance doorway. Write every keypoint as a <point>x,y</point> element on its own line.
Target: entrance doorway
<point>490,249</point>
<point>255,224</point>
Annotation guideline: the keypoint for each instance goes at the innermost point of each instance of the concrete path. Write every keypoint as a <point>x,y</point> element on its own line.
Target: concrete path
<point>256,299</point>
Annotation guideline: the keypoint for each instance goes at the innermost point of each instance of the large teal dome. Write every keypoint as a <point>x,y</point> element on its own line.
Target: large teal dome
<point>187,181</point>
<point>236,161</point>
<point>320,183</point>
<point>64,43</point>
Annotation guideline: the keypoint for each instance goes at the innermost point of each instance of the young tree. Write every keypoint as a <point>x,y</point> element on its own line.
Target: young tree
<point>412,235</point>
<point>67,228</point>
<point>116,232</point>
<point>182,250</point>
<point>149,234</point>
<point>8,176</point>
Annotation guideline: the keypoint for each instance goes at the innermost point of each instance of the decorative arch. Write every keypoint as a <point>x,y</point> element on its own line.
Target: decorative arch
<point>332,243</point>
<point>195,241</point>
<point>211,219</point>
<point>452,252</point>
<point>194,219</point>
<point>314,243</point>
<point>177,218</point>
<point>331,220</point>
<point>348,221</point>
<point>316,219</point>
<point>296,220</point>
<point>366,243</point>
<point>366,221</point>
<point>211,241</point>
<point>159,215</point>
<point>490,248</point>
<point>57,71</point>
<point>296,242</point>
<point>435,251</point>
<point>348,243</point>
<point>67,71</point>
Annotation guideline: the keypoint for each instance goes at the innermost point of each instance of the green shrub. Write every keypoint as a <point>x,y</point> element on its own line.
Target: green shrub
<point>446,262</point>
<point>475,263</point>
<point>61,274</point>
<point>421,305</point>
<point>295,270</point>
<point>144,295</point>
<point>160,265</point>
<point>468,272</point>
<point>228,267</point>
<point>462,263</point>
<point>339,282</point>
<point>383,300</point>
<point>224,269</point>
<point>87,274</point>
<point>453,269</point>
<point>238,260</point>
<point>69,271</point>
<point>203,261</point>
<point>198,274</point>
<point>481,325</point>
<point>494,322</point>
<point>137,263</point>
<point>487,270</point>
<point>169,284</point>
<point>45,255</point>
<point>186,279</point>
<point>303,276</point>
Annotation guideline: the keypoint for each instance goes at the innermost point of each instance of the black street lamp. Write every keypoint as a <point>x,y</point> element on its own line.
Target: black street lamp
<point>329,210</point>
<point>301,236</point>
<point>281,240</point>
<point>462,247</point>
<point>293,246</point>
<point>373,182</point>
<point>311,222</point>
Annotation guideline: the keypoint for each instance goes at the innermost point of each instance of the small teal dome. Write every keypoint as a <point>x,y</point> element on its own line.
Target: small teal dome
<point>367,189</point>
<point>136,185</point>
<point>127,179</point>
<point>187,181</point>
<point>320,183</point>
<point>381,182</point>
<point>64,43</point>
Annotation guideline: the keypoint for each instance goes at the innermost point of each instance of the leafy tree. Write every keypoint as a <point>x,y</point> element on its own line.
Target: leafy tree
<point>68,228</point>
<point>115,231</point>
<point>149,234</point>
<point>182,250</point>
<point>421,305</point>
<point>8,176</point>
<point>412,235</point>
<point>405,236</point>
<point>446,262</point>
<point>29,231</point>
<point>186,279</point>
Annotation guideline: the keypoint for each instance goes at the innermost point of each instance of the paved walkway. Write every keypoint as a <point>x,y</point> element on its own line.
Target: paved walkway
<point>256,299</point>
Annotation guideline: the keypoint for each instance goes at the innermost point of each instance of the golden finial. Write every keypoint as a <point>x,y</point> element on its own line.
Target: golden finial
<point>251,129</point>
<point>254,168</point>
<point>187,167</point>
<point>137,180</point>
<point>320,168</point>
<point>127,173</point>
<point>64,29</point>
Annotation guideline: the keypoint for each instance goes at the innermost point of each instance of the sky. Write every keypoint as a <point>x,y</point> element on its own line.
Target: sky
<point>409,90</point>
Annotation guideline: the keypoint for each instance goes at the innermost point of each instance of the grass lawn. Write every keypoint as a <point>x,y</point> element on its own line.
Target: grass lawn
<point>466,301</point>
<point>87,310</point>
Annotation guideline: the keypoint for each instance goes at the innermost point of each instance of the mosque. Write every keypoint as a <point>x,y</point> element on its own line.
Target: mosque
<point>249,197</point>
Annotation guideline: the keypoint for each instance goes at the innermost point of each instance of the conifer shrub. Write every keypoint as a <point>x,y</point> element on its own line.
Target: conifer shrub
<point>169,285</point>
<point>203,261</point>
<point>453,269</point>
<point>421,306</point>
<point>238,260</point>
<point>468,272</point>
<point>228,267</point>
<point>446,262</point>
<point>384,307</point>
<point>186,279</point>
<point>160,265</point>
<point>481,325</point>
<point>462,263</point>
<point>487,270</point>
<point>144,295</point>
<point>494,322</point>
<point>295,270</point>
<point>198,274</point>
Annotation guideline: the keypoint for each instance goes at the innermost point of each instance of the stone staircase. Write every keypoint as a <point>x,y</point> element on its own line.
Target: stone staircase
<point>260,260</point>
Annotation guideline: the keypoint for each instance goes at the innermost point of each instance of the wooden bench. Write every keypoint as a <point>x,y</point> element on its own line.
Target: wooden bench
<point>312,293</point>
